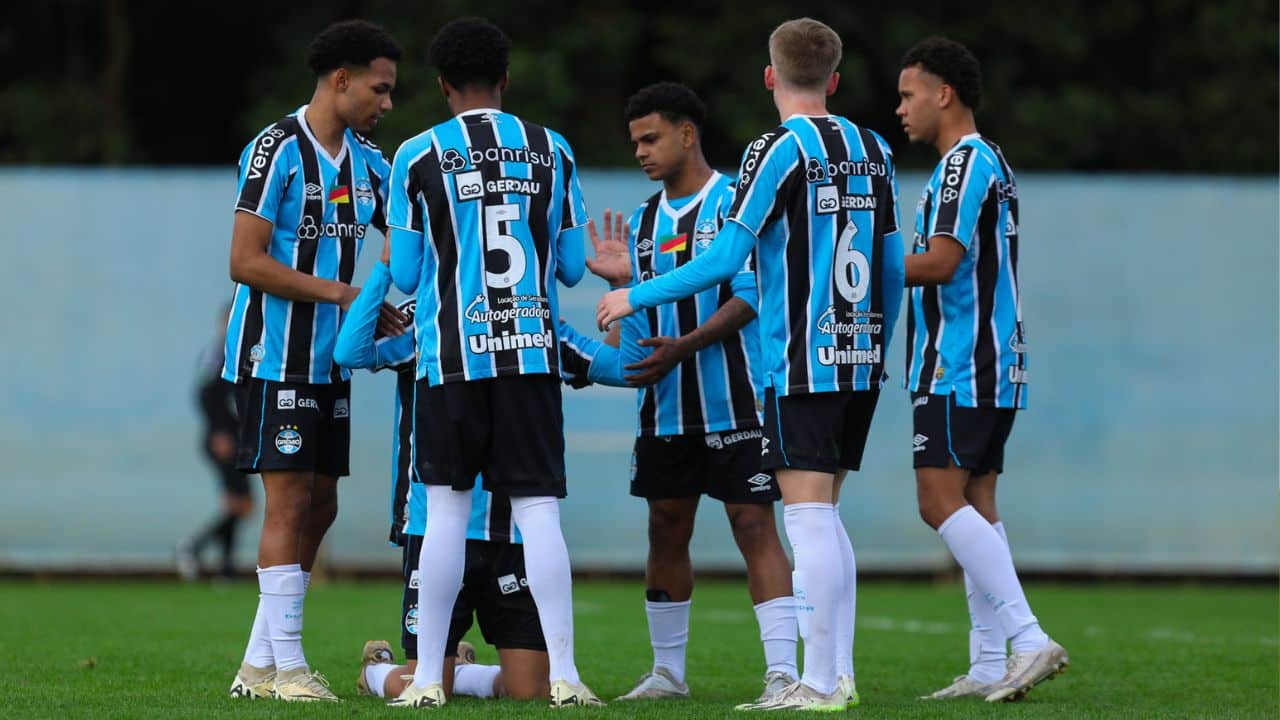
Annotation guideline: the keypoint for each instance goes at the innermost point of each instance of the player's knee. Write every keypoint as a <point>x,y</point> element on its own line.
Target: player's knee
<point>291,510</point>
<point>752,525</point>
<point>324,512</point>
<point>667,523</point>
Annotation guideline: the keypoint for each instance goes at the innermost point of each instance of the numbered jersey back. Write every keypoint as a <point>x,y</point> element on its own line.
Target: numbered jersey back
<point>491,194</point>
<point>819,194</point>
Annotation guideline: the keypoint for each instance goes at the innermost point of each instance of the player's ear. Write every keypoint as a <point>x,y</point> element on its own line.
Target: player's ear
<point>688,134</point>
<point>341,79</point>
<point>832,83</point>
<point>769,79</point>
<point>502,84</point>
<point>945,95</point>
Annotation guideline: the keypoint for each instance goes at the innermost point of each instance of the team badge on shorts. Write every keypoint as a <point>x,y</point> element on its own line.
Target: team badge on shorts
<point>288,440</point>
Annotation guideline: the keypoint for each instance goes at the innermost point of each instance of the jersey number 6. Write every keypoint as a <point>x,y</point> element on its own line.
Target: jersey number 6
<point>496,239</point>
<point>852,271</point>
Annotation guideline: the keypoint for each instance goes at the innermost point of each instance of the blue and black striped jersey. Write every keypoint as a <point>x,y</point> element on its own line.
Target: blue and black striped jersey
<point>320,207</point>
<point>819,194</point>
<point>966,336</point>
<point>486,212</point>
<point>720,387</point>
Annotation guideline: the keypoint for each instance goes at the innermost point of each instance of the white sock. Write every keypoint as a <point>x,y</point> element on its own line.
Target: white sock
<point>258,652</point>
<point>306,580</point>
<point>376,677</point>
<point>546,564</point>
<point>475,680</point>
<point>777,619</point>
<point>440,565</point>
<point>987,642</point>
<point>846,607</point>
<point>986,560</point>
<point>812,533</point>
<point>282,598</point>
<point>669,634</point>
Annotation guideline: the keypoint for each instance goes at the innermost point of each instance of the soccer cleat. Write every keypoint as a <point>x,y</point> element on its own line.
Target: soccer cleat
<point>846,685</point>
<point>565,695</point>
<point>466,653</point>
<point>254,682</point>
<point>962,687</point>
<point>801,697</point>
<point>375,652</point>
<point>658,685</point>
<point>775,681</point>
<point>187,560</point>
<point>1028,669</point>
<point>303,685</point>
<point>431,696</point>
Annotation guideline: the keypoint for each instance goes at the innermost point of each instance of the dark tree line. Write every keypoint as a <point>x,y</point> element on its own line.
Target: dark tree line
<point>1167,85</point>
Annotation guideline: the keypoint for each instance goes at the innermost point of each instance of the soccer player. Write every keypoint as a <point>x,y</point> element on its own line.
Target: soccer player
<point>217,407</point>
<point>486,213</point>
<point>816,199</point>
<point>966,363</point>
<point>309,186</point>
<point>698,430</point>
<point>494,586</point>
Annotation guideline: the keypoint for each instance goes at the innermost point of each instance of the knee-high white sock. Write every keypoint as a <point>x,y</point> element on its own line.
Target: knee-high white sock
<point>987,642</point>
<point>669,634</point>
<point>475,680</point>
<point>306,580</point>
<point>986,560</point>
<point>258,652</point>
<point>812,533</point>
<point>777,619</point>
<point>375,676</point>
<point>282,598</point>
<point>440,565</point>
<point>546,565</point>
<point>846,608</point>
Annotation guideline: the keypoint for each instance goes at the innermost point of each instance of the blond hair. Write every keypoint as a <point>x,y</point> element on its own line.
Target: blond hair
<point>804,52</point>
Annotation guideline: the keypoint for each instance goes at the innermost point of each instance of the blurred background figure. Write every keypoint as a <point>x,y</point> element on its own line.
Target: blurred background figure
<point>217,402</point>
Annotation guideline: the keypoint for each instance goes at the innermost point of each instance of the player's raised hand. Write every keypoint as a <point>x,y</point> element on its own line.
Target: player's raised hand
<point>615,305</point>
<point>612,261</point>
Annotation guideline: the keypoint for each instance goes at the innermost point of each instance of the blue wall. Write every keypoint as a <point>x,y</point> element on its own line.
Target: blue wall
<point>1151,442</point>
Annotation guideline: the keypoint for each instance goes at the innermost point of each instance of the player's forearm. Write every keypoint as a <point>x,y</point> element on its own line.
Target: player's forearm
<point>355,346</point>
<point>406,260</point>
<point>262,272</point>
<point>894,280</point>
<point>729,319</point>
<point>729,250</point>
<point>924,269</point>
<point>571,256</point>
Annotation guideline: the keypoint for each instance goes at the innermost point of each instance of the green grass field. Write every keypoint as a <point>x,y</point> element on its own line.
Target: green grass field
<point>142,649</point>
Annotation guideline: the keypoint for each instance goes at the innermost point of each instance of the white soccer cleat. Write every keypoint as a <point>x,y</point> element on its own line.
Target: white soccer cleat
<point>801,697</point>
<point>847,685</point>
<point>375,652</point>
<point>1028,669</point>
<point>254,682</point>
<point>658,685</point>
<point>962,687</point>
<point>564,695</point>
<point>303,685</point>
<point>431,696</point>
<point>775,681</point>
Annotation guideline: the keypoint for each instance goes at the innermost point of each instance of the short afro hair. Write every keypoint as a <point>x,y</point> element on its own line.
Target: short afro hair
<point>952,62</point>
<point>350,43</point>
<point>470,51</point>
<point>673,101</point>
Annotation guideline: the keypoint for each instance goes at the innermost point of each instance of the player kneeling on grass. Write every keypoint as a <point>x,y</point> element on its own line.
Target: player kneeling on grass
<point>494,587</point>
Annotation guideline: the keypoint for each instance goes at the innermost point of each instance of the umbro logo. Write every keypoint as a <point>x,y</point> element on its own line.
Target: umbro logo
<point>313,191</point>
<point>918,443</point>
<point>760,483</point>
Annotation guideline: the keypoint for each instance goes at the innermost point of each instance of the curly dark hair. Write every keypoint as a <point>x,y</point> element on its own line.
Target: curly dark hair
<point>470,51</point>
<point>671,100</point>
<point>350,43</point>
<point>952,62</point>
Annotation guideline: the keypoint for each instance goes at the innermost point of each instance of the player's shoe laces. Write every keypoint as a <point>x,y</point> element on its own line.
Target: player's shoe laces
<point>845,684</point>
<point>656,685</point>
<point>1028,669</point>
<point>799,696</point>
<point>565,695</point>
<point>431,696</point>
<point>466,653</point>
<point>303,685</point>
<point>376,652</point>
<point>962,687</point>
<point>188,562</point>
<point>254,682</point>
<point>775,681</point>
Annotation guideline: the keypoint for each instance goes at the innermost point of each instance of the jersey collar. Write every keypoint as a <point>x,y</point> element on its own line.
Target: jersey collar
<point>306,130</point>
<point>695,202</point>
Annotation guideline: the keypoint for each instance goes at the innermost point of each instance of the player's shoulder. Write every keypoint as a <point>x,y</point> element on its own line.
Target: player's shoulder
<point>972,151</point>
<point>269,142</point>
<point>415,147</point>
<point>367,147</point>
<point>558,141</point>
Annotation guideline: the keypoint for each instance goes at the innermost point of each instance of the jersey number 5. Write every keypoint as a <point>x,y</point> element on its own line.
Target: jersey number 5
<point>852,271</point>
<point>496,239</point>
